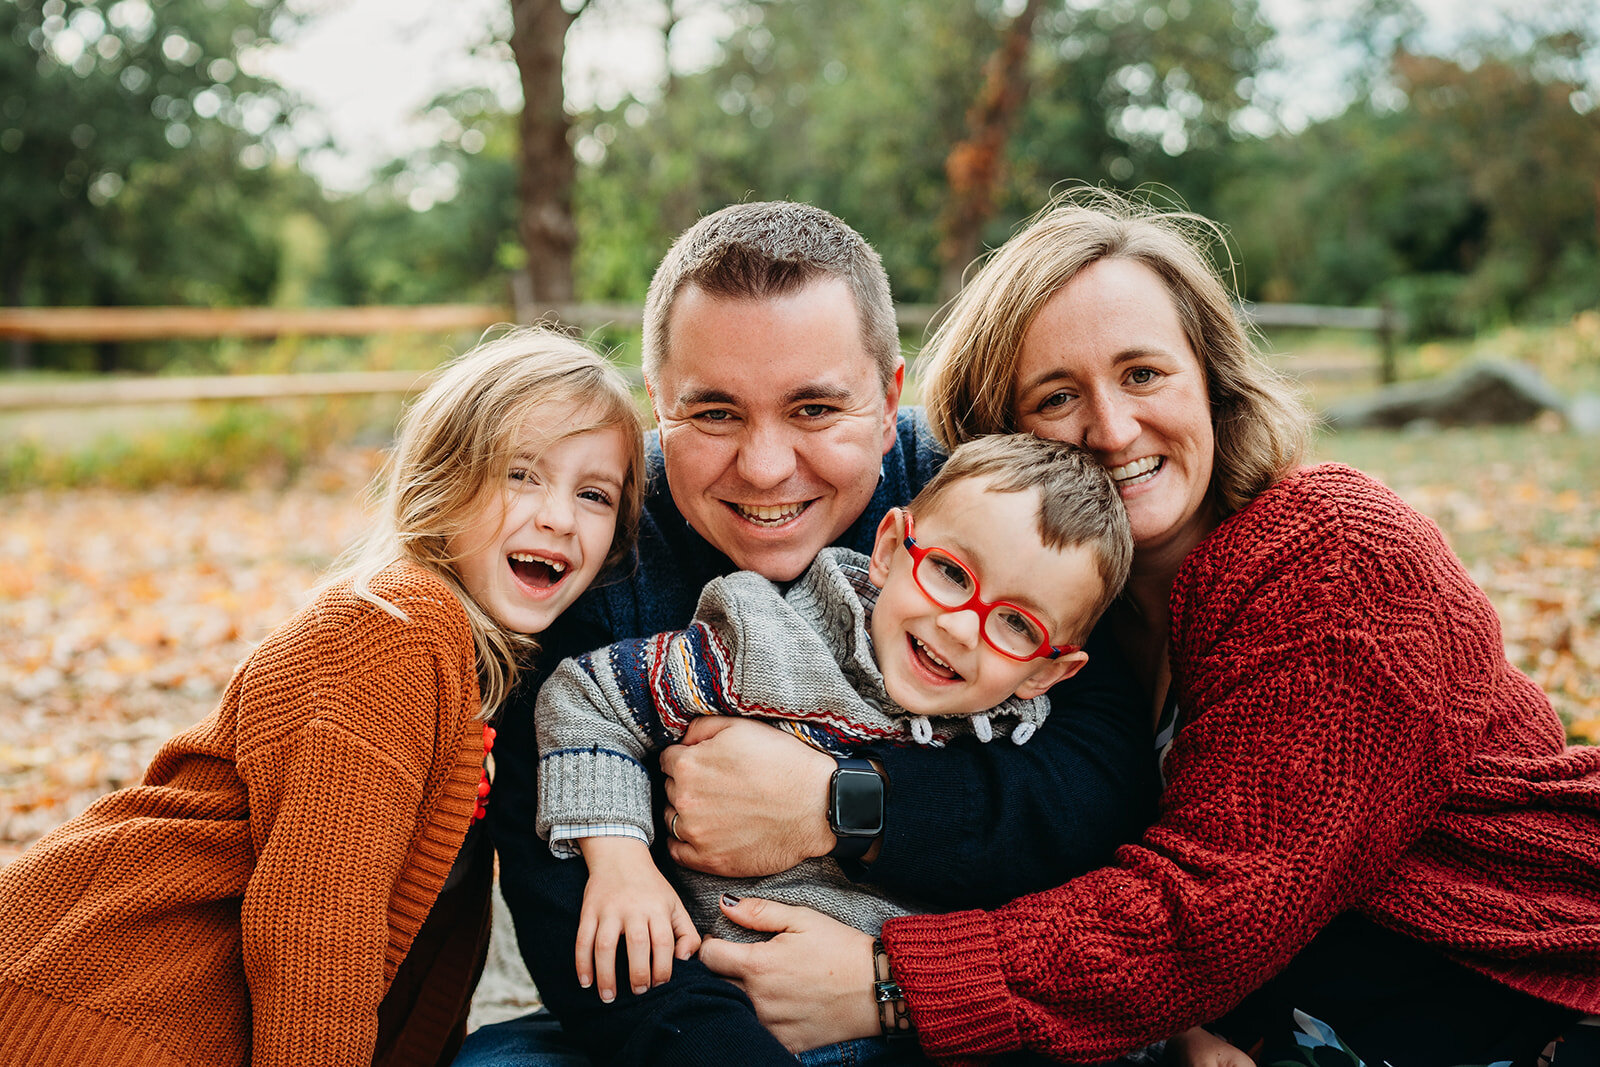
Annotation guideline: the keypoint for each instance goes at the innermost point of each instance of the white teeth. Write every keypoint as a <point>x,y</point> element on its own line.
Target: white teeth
<point>529,557</point>
<point>926,651</point>
<point>1130,472</point>
<point>774,514</point>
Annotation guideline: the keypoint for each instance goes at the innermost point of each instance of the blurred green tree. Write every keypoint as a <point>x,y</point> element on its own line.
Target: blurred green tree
<point>856,104</point>
<point>1465,189</point>
<point>117,121</point>
<point>461,244</point>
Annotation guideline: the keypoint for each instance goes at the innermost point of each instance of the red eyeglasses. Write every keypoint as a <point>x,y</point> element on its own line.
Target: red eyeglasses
<point>950,583</point>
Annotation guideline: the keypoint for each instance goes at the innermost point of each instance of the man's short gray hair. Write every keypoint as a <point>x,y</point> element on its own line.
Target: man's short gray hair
<point>771,249</point>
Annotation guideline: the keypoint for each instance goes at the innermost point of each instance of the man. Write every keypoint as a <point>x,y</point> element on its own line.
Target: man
<point>773,366</point>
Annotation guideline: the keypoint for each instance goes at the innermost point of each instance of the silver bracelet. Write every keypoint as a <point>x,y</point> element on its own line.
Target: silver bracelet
<point>894,1014</point>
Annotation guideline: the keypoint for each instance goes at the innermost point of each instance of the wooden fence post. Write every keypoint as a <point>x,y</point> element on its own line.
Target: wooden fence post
<point>1388,330</point>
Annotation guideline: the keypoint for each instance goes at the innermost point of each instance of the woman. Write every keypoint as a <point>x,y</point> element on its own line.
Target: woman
<point>1370,818</point>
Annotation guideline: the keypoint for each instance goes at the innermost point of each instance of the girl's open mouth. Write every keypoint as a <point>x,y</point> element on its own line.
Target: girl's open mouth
<point>537,572</point>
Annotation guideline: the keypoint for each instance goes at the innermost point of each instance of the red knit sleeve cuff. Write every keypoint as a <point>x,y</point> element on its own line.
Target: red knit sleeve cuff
<point>949,969</point>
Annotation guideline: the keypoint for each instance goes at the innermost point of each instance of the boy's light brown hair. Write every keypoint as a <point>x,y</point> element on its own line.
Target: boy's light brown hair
<point>1078,501</point>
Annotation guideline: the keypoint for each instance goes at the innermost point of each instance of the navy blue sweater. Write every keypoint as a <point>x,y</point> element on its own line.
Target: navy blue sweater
<point>971,825</point>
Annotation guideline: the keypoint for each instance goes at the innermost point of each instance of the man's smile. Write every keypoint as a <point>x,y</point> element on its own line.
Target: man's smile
<point>770,514</point>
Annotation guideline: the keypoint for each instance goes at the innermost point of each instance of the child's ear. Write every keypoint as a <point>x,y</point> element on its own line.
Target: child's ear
<point>890,533</point>
<point>1039,682</point>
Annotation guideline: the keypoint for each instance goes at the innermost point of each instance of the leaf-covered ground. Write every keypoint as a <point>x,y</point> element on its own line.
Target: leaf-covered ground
<point>122,615</point>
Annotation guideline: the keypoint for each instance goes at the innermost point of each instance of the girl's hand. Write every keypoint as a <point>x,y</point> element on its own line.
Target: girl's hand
<point>811,984</point>
<point>749,800</point>
<point>628,901</point>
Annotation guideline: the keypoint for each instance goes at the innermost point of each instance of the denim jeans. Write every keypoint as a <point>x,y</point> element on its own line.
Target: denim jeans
<point>536,1040</point>
<point>532,1040</point>
<point>865,1052</point>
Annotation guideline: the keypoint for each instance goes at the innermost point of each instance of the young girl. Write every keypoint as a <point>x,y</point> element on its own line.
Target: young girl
<point>296,880</point>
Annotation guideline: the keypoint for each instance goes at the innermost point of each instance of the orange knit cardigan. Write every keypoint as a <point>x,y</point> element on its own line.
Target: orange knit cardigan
<point>251,900</point>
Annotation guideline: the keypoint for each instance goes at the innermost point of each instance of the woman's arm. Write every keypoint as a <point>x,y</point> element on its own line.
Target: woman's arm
<point>967,825</point>
<point>1335,665</point>
<point>1335,678</point>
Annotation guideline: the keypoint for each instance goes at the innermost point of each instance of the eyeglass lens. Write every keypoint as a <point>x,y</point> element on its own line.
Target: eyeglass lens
<point>949,583</point>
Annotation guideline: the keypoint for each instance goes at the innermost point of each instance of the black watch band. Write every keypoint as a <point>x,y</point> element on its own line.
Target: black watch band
<point>855,807</point>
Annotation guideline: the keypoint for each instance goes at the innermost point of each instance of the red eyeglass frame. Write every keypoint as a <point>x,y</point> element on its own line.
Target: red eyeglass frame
<point>977,604</point>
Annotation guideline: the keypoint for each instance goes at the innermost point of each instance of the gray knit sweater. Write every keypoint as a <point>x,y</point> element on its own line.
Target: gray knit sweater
<point>801,658</point>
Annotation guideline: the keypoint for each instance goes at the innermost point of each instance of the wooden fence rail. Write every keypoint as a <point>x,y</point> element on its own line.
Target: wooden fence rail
<point>74,324</point>
<point>81,324</point>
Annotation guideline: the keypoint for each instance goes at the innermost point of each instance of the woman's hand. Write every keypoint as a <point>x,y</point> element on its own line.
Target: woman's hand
<point>811,984</point>
<point>744,799</point>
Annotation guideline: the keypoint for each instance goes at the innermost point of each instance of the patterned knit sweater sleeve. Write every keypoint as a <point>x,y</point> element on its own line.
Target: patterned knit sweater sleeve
<point>601,714</point>
<point>1335,669</point>
<point>359,761</point>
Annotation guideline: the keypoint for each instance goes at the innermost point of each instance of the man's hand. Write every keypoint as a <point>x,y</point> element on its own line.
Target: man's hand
<point>1196,1047</point>
<point>749,800</point>
<point>811,984</point>
<point>627,901</point>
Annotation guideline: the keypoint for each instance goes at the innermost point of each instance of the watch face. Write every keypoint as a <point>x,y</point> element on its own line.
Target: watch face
<point>857,803</point>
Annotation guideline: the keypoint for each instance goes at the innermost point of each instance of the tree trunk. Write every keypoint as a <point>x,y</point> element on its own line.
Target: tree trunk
<point>548,169</point>
<point>669,84</point>
<point>975,166</point>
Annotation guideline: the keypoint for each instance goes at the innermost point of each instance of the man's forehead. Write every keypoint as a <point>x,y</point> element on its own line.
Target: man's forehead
<point>804,344</point>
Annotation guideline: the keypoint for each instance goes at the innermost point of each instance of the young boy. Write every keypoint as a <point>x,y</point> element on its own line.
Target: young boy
<point>972,605</point>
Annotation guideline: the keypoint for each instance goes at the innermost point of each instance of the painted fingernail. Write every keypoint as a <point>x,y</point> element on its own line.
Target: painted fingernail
<point>607,995</point>
<point>640,990</point>
<point>729,900</point>
<point>585,983</point>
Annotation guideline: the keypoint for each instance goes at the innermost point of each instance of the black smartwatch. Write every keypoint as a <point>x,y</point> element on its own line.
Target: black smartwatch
<point>855,807</point>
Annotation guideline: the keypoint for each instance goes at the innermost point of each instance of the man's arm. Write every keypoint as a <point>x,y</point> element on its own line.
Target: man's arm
<point>968,825</point>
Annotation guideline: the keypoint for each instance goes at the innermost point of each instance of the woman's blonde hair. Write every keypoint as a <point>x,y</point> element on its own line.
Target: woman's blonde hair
<point>454,448</point>
<point>969,365</point>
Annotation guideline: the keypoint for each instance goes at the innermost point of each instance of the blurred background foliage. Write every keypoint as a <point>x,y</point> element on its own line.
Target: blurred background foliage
<point>142,162</point>
<point>146,159</point>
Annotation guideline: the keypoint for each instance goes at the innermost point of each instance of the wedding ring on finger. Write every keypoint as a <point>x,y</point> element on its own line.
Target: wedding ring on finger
<point>672,827</point>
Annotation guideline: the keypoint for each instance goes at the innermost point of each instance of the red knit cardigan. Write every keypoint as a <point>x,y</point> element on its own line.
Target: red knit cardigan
<point>1351,737</point>
<point>251,900</point>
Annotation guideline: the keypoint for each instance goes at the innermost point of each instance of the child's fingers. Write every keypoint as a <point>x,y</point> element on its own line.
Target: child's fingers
<point>583,952</point>
<point>661,944</point>
<point>687,938</point>
<point>605,961</point>
<point>638,935</point>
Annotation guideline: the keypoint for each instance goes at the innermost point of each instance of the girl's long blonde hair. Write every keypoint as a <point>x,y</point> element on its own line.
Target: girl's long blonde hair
<point>454,448</point>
